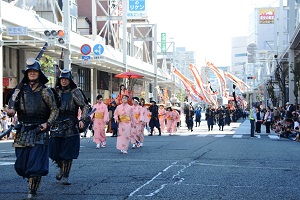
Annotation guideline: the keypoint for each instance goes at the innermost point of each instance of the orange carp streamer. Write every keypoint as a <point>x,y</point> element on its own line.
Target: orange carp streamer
<point>206,93</point>
<point>221,78</point>
<point>239,83</point>
<point>190,88</point>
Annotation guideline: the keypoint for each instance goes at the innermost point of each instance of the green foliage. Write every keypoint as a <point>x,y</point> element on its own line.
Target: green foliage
<point>47,64</point>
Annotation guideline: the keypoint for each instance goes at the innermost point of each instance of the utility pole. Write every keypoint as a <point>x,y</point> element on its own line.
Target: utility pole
<point>1,58</point>
<point>67,27</point>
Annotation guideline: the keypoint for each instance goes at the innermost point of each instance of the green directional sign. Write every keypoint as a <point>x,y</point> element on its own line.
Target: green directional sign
<point>163,43</point>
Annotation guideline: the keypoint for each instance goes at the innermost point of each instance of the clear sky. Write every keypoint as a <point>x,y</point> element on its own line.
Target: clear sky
<point>204,26</point>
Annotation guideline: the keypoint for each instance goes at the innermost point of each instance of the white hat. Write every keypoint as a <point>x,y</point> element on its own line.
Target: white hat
<point>287,103</point>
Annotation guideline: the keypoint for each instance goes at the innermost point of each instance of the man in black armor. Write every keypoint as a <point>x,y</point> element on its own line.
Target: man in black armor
<point>220,114</point>
<point>154,121</point>
<point>210,117</point>
<point>64,134</point>
<point>37,110</point>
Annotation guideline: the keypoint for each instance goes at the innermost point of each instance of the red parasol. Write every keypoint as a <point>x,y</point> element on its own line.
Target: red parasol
<point>129,75</point>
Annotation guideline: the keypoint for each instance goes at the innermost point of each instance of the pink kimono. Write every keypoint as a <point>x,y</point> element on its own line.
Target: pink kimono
<point>162,119</point>
<point>124,116</point>
<point>137,124</point>
<point>176,118</point>
<point>143,124</point>
<point>169,117</point>
<point>100,118</point>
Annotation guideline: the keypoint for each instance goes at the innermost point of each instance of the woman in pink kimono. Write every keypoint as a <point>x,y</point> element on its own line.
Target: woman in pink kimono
<point>176,118</point>
<point>100,119</point>
<point>170,120</point>
<point>124,117</point>
<point>144,122</point>
<point>137,121</point>
<point>162,118</point>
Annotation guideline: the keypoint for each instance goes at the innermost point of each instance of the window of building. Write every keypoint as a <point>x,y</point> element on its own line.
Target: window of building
<point>84,79</point>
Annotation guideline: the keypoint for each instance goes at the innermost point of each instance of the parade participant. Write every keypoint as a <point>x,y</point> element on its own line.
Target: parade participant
<point>154,122</point>
<point>176,119</point>
<point>198,116</point>
<point>124,117</point>
<point>100,119</point>
<point>113,124</point>
<point>37,110</point>
<point>189,115</point>
<point>227,116</point>
<point>123,91</point>
<point>145,122</point>
<point>169,117</point>
<point>162,118</point>
<point>210,117</point>
<point>137,121</point>
<point>64,134</point>
<point>220,114</point>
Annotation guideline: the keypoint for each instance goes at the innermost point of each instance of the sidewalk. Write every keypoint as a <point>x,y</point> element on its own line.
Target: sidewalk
<point>244,128</point>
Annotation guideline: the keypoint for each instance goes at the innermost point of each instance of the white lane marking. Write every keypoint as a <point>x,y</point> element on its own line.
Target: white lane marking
<point>237,136</point>
<point>7,163</point>
<point>175,176</point>
<point>202,135</point>
<point>220,136</point>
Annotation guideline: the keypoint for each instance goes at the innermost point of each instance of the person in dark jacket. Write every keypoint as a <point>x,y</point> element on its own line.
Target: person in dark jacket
<point>220,114</point>
<point>210,117</point>
<point>36,109</point>
<point>154,121</point>
<point>64,135</point>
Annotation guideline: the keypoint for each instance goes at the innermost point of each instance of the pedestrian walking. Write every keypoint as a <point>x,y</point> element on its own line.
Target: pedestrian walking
<point>64,140</point>
<point>154,122</point>
<point>198,116</point>
<point>210,117</point>
<point>100,119</point>
<point>220,114</point>
<point>113,124</point>
<point>189,117</point>
<point>124,117</point>
<point>162,118</point>
<point>37,110</point>
<point>137,123</point>
<point>176,119</point>
<point>145,122</point>
<point>253,119</point>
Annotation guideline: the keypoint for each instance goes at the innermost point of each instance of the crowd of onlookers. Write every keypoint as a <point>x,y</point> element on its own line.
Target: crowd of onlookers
<point>284,120</point>
<point>6,122</point>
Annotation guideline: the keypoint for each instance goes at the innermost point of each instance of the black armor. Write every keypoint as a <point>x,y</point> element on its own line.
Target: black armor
<point>66,123</point>
<point>64,134</point>
<point>34,108</point>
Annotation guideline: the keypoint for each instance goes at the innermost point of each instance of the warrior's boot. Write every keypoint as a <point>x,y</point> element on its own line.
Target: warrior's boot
<point>67,164</point>
<point>34,183</point>
<point>159,131</point>
<point>151,132</point>
<point>60,170</point>
<point>222,128</point>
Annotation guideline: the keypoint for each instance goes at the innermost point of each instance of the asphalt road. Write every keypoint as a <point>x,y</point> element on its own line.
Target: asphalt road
<point>199,165</point>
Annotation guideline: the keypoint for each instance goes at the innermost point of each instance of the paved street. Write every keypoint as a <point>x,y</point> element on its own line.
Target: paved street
<point>190,165</point>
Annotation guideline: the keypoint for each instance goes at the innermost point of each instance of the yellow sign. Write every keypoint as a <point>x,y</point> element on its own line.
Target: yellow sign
<point>267,16</point>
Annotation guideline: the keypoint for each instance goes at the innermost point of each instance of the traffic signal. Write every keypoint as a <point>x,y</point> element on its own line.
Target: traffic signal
<point>56,35</point>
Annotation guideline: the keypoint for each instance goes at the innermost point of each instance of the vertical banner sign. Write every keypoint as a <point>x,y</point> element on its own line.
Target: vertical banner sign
<point>267,16</point>
<point>163,41</point>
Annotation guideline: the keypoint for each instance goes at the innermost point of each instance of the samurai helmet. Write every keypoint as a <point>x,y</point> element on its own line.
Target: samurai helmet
<point>66,73</point>
<point>33,64</point>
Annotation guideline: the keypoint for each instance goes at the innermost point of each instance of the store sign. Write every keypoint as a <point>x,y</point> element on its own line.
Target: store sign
<point>266,16</point>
